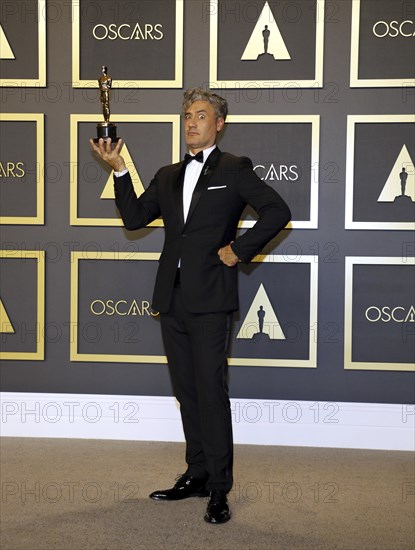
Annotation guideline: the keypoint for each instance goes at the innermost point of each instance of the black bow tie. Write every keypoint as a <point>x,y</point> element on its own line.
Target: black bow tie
<point>188,158</point>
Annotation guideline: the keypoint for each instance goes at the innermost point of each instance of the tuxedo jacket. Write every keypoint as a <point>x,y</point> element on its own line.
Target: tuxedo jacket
<point>227,184</point>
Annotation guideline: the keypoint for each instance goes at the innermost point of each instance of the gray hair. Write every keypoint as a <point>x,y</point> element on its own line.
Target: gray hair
<point>219,104</point>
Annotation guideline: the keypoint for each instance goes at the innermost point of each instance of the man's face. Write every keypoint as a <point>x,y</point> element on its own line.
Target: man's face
<point>201,126</point>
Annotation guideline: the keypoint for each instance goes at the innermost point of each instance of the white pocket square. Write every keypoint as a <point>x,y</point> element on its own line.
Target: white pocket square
<point>217,187</point>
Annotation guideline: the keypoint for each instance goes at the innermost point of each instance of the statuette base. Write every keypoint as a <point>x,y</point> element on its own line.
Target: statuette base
<point>106,130</point>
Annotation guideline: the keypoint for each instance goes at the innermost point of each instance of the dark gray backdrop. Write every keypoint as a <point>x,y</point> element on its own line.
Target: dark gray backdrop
<point>329,382</point>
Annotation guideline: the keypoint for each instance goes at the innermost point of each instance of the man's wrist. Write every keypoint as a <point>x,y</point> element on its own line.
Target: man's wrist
<point>120,167</point>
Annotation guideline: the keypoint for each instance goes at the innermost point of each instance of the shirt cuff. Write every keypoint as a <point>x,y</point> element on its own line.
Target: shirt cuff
<point>122,173</point>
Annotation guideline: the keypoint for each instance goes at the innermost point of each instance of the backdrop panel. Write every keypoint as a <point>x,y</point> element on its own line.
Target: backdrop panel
<point>326,311</point>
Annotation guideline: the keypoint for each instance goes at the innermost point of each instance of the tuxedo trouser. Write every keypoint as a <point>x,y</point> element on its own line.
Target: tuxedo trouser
<point>196,348</point>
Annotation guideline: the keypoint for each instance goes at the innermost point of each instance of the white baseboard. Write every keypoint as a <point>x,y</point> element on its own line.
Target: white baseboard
<point>255,421</point>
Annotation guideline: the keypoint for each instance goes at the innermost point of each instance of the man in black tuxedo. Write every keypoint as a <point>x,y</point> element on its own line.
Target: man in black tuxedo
<point>201,200</point>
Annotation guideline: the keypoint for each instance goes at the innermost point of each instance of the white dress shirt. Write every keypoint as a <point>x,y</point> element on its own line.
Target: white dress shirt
<point>193,171</point>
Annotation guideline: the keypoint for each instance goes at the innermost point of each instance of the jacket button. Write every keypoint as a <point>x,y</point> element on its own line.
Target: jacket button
<point>184,235</point>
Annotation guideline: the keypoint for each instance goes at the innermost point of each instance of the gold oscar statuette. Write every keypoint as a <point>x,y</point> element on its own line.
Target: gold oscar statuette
<point>105,129</point>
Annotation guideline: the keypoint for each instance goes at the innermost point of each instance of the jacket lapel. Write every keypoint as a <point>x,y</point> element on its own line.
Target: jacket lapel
<point>202,182</point>
<point>178,179</point>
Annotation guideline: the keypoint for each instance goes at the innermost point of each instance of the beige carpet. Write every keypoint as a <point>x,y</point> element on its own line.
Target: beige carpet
<point>79,494</point>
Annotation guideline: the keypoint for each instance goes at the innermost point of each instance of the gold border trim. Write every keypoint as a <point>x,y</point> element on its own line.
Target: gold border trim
<point>41,80</point>
<point>214,83</point>
<point>73,203</point>
<point>352,120</point>
<point>355,81</point>
<point>39,354</point>
<point>314,120</point>
<point>351,261</point>
<point>76,256</point>
<point>311,362</point>
<point>39,119</point>
<point>131,83</point>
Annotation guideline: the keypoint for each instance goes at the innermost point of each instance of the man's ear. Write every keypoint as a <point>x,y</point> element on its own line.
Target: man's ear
<point>219,123</point>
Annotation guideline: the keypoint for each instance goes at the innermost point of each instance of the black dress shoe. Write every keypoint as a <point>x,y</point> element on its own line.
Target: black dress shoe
<point>217,508</point>
<point>185,486</point>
